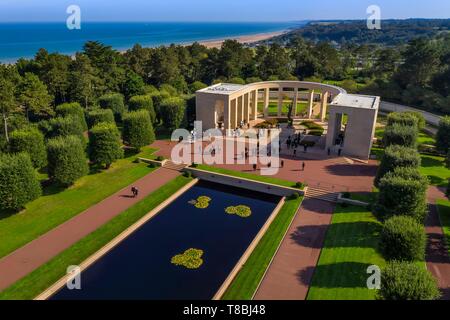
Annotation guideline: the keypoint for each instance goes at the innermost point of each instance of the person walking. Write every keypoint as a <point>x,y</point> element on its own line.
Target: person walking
<point>133,192</point>
<point>282,164</point>
<point>303,166</point>
<point>254,167</point>
<point>295,152</point>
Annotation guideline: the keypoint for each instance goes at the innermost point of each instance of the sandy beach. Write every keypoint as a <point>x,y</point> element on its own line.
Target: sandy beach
<point>245,39</point>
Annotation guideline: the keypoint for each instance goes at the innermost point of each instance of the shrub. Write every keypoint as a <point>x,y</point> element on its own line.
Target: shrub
<point>113,101</point>
<point>31,141</point>
<point>407,281</point>
<point>447,159</point>
<point>402,118</point>
<point>421,123</point>
<point>401,135</point>
<point>447,192</point>
<point>104,144</point>
<point>143,102</point>
<point>18,181</point>
<point>172,112</point>
<point>95,117</point>
<point>443,135</point>
<point>317,133</point>
<point>403,238</point>
<point>294,196</point>
<point>187,174</point>
<point>72,109</point>
<point>197,85</point>
<point>138,129</point>
<point>397,156</point>
<point>299,185</point>
<point>402,192</point>
<point>66,160</point>
<point>67,126</point>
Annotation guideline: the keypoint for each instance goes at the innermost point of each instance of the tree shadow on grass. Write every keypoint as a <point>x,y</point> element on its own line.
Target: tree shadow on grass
<point>347,234</point>
<point>335,275</point>
<point>437,181</point>
<point>431,162</point>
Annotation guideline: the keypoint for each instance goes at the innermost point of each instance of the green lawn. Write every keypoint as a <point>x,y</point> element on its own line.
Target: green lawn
<point>43,277</point>
<point>444,215</point>
<point>58,205</point>
<point>273,108</point>
<point>248,278</point>
<point>368,197</point>
<point>249,176</point>
<point>434,168</point>
<point>350,247</point>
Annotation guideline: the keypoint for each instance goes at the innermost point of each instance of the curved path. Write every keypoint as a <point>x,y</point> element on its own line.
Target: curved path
<point>34,254</point>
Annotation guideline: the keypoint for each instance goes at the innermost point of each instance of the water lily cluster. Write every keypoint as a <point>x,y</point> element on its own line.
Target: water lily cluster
<point>240,210</point>
<point>191,259</point>
<point>202,202</point>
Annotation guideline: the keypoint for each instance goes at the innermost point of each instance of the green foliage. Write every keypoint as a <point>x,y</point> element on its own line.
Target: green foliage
<point>113,101</point>
<point>403,118</point>
<point>402,192</point>
<point>31,141</point>
<point>190,259</point>
<point>72,109</point>
<point>421,122</point>
<point>137,129</point>
<point>67,160</point>
<point>66,126</point>
<point>447,159</point>
<point>18,181</point>
<point>173,112</point>
<point>104,144</point>
<point>443,135</point>
<point>407,281</point>
<point>202,202</point>
<point>34,97</point>
<point>401,135</point>
<point>240,210</point>
<point>403,238</point>
<point>142,102</point>
<point>197,85</point>
<point>97,116</point>
<point>397,156</point>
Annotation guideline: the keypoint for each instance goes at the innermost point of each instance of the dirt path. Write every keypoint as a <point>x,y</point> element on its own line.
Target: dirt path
<point>34,254</point>
<point>289,276</point>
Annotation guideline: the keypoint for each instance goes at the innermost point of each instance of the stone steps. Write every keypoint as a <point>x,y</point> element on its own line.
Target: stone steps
<point>321,194</point>
<point>174,166</point>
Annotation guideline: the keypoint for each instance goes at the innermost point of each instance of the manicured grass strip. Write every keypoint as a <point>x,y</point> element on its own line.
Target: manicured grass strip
<point>434,168</point>
<point>249,176</point>
<point>350,247</point>
<point>368,197</point>
<point>444,214</point>
<point>59,205</point>
<point>248,278</point>
<point>42,278</point>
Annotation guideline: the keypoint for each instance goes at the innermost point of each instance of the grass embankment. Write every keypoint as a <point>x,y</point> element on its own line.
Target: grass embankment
<point>444,215</point>
<point>249,176</point>
<point>249,277</point>
<point>58,205</point>
<point>350,247</point>
<point>40,279</point>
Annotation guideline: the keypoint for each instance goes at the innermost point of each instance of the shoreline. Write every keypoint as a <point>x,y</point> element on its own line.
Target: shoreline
<point>244,39</point>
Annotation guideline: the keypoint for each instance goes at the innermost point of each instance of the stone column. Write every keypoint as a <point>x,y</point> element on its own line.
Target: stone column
<point>247,107</point>
<point>294,110</point>
<point>266,102</point>
<point>240,110</point>
<point>233,114</point>
<point>280,101</point>
<point>323,107</point>
<point>254,115</point>
<point>226,114</point>
<point>311,104</point>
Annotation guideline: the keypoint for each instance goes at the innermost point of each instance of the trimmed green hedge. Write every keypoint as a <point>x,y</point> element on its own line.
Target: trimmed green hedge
<point>401,135</point>
<point>67,160</point>
<point>67,126</point>
<point>144,102</point>
<point>402,192</point>
<point>95,117</point>
<point>443,135</point>
<point>105,146</point>
<point>113,101</point>
<point>403,238</point>
<point>172,112</point>
<point>72,109</point>
<point>138,129</point>
<point>407,281</point>
<point>31,141</point>
<point>402,118</point>
<point>397,156</point>
<point>18,181</point>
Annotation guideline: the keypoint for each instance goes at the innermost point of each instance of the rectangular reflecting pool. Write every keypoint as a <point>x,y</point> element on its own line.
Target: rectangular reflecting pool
<point>140,266</point>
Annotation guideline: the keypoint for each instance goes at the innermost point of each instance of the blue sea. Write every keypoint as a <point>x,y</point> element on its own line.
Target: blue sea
<point>24,39</point>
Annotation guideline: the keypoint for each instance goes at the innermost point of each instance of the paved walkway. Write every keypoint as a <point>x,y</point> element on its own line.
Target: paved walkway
<point>290,274</point>
<point>34,254</point>
<point>437,258</point>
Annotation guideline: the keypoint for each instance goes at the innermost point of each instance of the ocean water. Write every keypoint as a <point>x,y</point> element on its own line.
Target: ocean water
<point>24,39</point>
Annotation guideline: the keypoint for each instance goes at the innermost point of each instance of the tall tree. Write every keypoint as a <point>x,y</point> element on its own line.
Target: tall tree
<point>34,97</point>
<point>8,102</point>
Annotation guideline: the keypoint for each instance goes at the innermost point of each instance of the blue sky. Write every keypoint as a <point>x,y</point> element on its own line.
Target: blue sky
<point>218,10</point>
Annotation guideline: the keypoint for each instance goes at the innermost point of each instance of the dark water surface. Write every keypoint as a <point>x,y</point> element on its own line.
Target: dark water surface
<point>140,267</point>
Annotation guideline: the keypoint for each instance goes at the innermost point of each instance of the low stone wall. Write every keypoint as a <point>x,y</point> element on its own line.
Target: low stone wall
<point>351,201</point>
<point>244,183</point>
<point>154,162</point>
